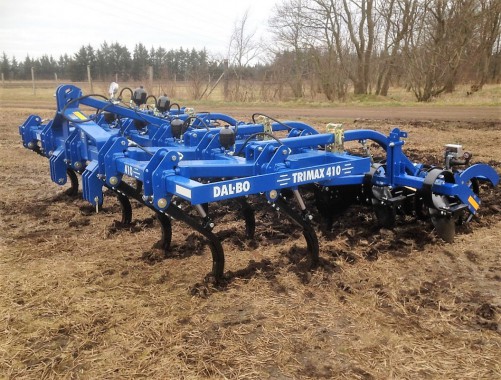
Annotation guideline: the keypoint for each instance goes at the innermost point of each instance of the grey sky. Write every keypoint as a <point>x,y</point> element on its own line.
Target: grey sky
<point>37,27</point>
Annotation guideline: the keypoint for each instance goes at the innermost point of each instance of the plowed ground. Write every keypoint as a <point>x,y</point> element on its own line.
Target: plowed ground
<point>83,297</point>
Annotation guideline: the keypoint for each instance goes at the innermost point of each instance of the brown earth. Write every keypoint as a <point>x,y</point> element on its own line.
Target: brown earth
<point>83,297</point>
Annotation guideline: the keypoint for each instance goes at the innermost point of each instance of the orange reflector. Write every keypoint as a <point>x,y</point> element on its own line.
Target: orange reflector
<point>473,202</point>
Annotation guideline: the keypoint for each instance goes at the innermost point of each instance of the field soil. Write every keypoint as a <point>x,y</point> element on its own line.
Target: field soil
<point>84,297</point>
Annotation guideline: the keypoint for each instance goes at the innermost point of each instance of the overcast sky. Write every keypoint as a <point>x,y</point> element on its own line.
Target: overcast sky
<point>55,27</point>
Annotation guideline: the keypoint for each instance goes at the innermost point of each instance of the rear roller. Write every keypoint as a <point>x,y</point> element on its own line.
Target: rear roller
<point>334,201</point>
<point>440,206</point>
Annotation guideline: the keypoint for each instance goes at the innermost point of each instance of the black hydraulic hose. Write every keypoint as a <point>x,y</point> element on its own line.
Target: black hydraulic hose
<point>271,118</point>
<point>123,89</point>
<point>187,122</point>
<point>175,104</point>
<point>207,113</point>
<point>139,146</point>
<point>77,100</point>
<point>255,135</point>
<point>151,96</point>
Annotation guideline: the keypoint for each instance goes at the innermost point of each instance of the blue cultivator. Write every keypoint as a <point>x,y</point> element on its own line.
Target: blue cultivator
<point>204,158</point>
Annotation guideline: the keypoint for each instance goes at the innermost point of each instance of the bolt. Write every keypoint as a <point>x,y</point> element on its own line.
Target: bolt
<point>392,144</point>
<point>77,165</point>
<point>284,152</point>
<point>113,181</point>
<point>123,142</point>
<point>211,225</point>
<point>173,157</point>
<point>66,161</point>
<point>260,148</point>
<point>51,153</point>
<point>162,202</point>
<point>195,135</point>
<point>273,194</point>
<point>60,181</point>
<point>31,145</point>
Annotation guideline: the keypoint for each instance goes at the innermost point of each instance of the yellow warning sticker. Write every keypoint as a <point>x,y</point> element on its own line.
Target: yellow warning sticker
<point>473,202</point>
<point>79,115</point>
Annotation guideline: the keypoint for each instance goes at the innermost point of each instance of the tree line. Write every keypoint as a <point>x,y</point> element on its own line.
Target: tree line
<point>110,60</point>
<point>326,47</point>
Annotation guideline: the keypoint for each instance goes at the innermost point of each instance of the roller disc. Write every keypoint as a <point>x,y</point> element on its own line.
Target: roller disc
<point>445,226</point>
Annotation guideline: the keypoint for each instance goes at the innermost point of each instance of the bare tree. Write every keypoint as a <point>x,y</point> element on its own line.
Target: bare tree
<point>348,29</point>
<point>436,47</point>
<point>397,19</point>
<point>290,35</point>
<point>242,49</point>
<point>489,31</point>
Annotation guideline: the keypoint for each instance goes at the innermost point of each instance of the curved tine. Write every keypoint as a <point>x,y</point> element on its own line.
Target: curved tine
<point>214,243</point>
<point>249,218</point>
<point>73,190</point>
<point>312,243</point>
<point>217,259</point>
<point>308,232</point>
<point>166,226</point>
<point>126,209</point>
<point>139,186</point>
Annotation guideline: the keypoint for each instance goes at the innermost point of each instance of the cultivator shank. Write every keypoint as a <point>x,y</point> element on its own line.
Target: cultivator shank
<point>175,155</point>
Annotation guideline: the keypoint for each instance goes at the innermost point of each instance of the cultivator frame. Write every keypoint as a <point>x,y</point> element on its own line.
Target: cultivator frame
<point>180,154</point>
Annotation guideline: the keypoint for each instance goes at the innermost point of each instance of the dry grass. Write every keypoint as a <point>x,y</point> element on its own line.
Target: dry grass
<point>82,298</point>
<point>19,92</point>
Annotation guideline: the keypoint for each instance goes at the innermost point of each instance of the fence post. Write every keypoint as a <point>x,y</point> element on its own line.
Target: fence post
<point>3,79</point>
<point>55,77</point>
<point>150,78</point>
<point>33,80</point>
<point>226,79</point>
<point>89,78</point>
